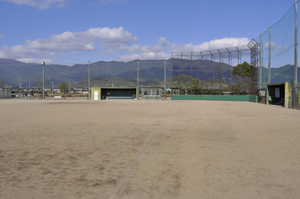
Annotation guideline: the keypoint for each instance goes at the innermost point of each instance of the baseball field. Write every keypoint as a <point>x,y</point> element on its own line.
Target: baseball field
<point>148,149</point>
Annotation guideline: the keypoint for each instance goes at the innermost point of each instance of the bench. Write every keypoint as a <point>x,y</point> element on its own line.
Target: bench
<point>119,97</point>
<point>57,97</point>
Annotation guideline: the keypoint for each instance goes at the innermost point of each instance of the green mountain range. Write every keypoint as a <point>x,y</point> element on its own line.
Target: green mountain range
<point>116,73</point>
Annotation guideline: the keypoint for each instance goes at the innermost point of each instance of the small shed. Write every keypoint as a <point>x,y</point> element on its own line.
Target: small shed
<point>279,94</point>
<point>104,93</point>
<point>154,93</point>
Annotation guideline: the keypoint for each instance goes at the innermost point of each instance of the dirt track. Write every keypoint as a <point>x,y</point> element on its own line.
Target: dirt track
<point>148,149</point>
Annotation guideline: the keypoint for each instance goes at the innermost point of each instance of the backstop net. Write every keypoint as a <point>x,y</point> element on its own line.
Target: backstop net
<point>216,72</point>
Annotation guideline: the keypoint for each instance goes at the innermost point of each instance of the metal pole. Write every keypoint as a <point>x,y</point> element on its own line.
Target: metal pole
<point>202,82</point>
<point>43,80</point>
<point>171,74</point>
<point>269,68</point>
<point>296,55</point>
<point>220,69</point>
<point>181,73</point>
<point>229,73</point>
<point>165,79</point>
<point>238,70</point>
<point>211,72</point>
<point>260,63</point>
<point>191,72</point>
<point>138,79</point>
<point>89,81</point>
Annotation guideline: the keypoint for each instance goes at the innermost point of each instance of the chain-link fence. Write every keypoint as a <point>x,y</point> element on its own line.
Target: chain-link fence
<point>278,53</point>
<point>74,82</point>
<point>222,71</point>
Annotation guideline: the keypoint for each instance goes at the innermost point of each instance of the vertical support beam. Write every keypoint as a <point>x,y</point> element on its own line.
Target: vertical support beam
<point>43,80</point>
<point>260,62</point>
<point>229,65</point>
<point>138,80</point>
<point>239,58</point>
<point>181,73</point>
<point>269,66</point>
<point>211,73</point>
<point>89,81</point>
<point>202,68</point>
<point>165,79</point>
<point>220,70</point>
<point>296,57</point>
<point>171,74</point>
<point>191,72</point>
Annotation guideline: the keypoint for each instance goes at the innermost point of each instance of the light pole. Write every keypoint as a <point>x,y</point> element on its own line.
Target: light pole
<point>43,79</point>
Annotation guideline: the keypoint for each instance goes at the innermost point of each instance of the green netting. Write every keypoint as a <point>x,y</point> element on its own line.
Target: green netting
<point>277,49</point>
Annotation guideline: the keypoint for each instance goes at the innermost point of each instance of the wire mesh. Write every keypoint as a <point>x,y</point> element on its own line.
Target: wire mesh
<point>211,72</point>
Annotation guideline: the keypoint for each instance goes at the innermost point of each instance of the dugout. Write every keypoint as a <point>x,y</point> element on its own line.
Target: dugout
<point>279,94</point>
<point>98,93</point>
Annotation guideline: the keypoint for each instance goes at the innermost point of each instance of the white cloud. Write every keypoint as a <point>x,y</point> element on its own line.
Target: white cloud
<point>109,36</point>
<point>211,45</point>
<point>63,42</point>
<point>144,56</point>
<point>113,41</point>
<point>133,49</point>
<point>40,4</point>
<point>159,51</point>
<point>163,42</point>
<point>68,42</point>
<point>83,41</point>
<point>22,52</point>
<point>36,60</point>
<point>273,45</point>
<point>1,36</point>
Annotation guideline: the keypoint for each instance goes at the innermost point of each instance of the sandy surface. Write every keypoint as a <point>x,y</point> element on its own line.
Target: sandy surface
<point>148,149</point>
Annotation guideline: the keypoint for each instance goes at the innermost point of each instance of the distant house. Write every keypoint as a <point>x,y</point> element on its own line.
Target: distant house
<point>56,90</point>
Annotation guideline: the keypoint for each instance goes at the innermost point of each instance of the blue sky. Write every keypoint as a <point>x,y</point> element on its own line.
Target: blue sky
<point>77,31</point>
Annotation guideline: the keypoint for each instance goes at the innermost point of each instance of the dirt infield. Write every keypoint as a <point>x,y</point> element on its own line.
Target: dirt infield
<point>148,149</point>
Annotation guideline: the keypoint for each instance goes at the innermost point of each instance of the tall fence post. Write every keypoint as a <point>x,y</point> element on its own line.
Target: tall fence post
<point>165,79</point>
<point>192,73</point>
<point>239,59</point>
<point>296,57</point>
<point>138,80</point>
<point>202,67</point>
<point>89,81</point>
<point>221,72</point>
<point>211,73</point>
<point>260,63</point>
<point>171,91</point>
<point>269,66</point>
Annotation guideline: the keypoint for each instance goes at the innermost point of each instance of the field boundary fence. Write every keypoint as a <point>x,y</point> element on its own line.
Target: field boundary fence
<point>278,53</point>
<point>216,72</point>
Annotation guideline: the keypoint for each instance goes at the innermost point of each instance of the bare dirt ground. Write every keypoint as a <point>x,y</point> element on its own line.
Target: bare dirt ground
<point>148,149</point>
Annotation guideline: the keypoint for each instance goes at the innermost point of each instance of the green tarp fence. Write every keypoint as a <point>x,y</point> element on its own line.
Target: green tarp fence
<point>216,97</point>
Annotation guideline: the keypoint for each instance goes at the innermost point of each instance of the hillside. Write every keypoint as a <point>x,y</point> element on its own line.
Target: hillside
<point>107,73</point>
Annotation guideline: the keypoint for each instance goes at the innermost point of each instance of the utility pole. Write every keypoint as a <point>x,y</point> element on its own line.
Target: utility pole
<point>138,80</point>
<point>165,79</point>
<point>89,81</point>
<point>43,79</point>
<point>296,56</point>
<point>269,67</point>
<point>260,62</point>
